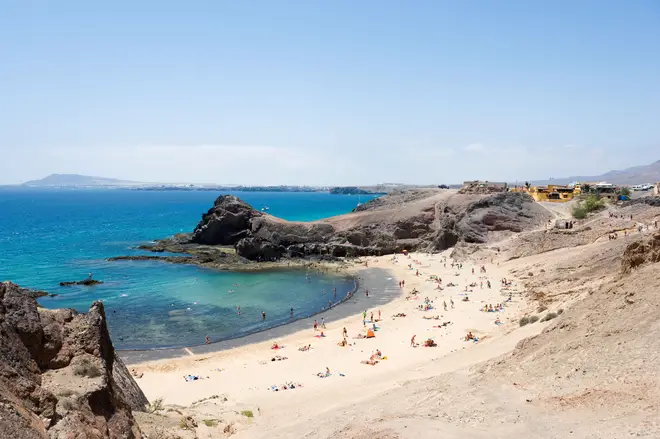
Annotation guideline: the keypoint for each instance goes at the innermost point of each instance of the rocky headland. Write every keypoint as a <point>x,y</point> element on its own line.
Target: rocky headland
<point>234,235</point>
<point>59,374</point>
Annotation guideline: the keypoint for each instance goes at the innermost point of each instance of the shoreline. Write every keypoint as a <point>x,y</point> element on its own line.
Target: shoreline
<point>379,280</point>
<point>248,374</point>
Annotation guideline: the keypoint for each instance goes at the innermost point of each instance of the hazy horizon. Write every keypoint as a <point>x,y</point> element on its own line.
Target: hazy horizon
<point>328,93</point>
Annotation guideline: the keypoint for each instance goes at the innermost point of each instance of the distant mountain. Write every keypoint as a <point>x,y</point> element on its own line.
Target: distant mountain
<point>631,176</point>
<point>75,180</point>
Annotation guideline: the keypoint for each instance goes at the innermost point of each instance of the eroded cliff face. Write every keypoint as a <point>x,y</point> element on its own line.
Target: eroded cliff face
<point>424,221</point>
<point>59,376</point>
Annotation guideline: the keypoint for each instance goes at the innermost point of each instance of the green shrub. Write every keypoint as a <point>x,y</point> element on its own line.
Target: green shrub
<point>579,212</point>
<point>533,319</point>
<point>156,406</point>
<point>210,422</point>
<point>590,204</point>
<point>523,321</point>
<point>625,191</point>
<point>549,316</point>
<point>87,369</point>
<point>247,413</point>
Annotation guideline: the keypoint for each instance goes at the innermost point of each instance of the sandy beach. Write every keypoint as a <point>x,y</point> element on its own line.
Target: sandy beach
<point>247,376</point>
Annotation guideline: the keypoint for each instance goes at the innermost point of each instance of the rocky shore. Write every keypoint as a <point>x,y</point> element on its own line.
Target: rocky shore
<point>59,375</point>
<point>232,235</point>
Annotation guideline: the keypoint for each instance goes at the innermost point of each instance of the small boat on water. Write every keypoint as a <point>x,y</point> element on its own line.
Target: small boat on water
<point>265,209</point>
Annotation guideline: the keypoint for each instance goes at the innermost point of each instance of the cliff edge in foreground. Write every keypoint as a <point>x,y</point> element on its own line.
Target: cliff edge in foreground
<point>59,375</point>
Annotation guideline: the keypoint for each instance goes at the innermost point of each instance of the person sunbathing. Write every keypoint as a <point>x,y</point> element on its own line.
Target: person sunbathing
<point>430,343</point>
<point>369,362</point>
<point>305,348</point>
<point>342,343</point>
<point>275,346</point>
<point>469,336</point>
<point>466,299</point>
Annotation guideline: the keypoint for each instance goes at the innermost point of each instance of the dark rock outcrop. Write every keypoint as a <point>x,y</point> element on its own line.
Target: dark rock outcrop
<point>35,294</point>
<point>653,201</point>
<point>348,190</point>
<point>59,377</point>
<point>641,252</point>
<point>226,223</point>
<point>86,282</point>
<point>410,220</point>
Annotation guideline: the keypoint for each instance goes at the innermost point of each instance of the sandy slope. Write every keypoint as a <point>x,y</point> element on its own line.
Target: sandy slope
<point>589,373</point>
<point>245,380</point>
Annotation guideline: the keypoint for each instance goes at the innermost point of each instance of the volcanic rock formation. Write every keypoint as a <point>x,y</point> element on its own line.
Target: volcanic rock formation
<point>59,375</point>
<point>414,220</point>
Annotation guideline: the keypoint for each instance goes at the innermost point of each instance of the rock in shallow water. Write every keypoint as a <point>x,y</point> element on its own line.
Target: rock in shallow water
<point>86,282</point>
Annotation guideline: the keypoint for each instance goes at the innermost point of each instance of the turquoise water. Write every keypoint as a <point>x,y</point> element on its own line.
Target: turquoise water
<point>49,236</point>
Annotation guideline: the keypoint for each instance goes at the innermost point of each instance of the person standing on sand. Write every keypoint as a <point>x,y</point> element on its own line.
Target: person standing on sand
<point>316,326</point>
<point>372,317</point>
<point>364,315</point>
<point>412,341</point>
<point>451,301</point>
<point>444,305</point>
<point>378,315</point>
<point>323,322</point>
<point>345,332</point>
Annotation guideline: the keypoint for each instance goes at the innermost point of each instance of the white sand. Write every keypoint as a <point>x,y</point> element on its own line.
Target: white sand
<point>241,376</point>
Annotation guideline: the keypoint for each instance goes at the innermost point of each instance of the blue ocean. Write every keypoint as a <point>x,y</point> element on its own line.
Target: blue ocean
<point>49,236</point>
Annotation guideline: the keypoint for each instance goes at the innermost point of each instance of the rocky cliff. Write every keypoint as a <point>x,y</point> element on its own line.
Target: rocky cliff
<point>59,375</point>
<point>414,220</point>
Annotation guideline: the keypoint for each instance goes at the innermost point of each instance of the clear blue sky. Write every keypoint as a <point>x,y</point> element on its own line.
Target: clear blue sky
<point>327,92</point>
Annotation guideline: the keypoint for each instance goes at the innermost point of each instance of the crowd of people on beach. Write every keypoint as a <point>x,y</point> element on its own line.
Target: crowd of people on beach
<point>371,317</point>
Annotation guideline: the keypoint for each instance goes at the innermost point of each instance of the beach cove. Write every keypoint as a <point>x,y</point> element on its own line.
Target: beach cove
<point>254,376</point>
<point>50,236</point>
